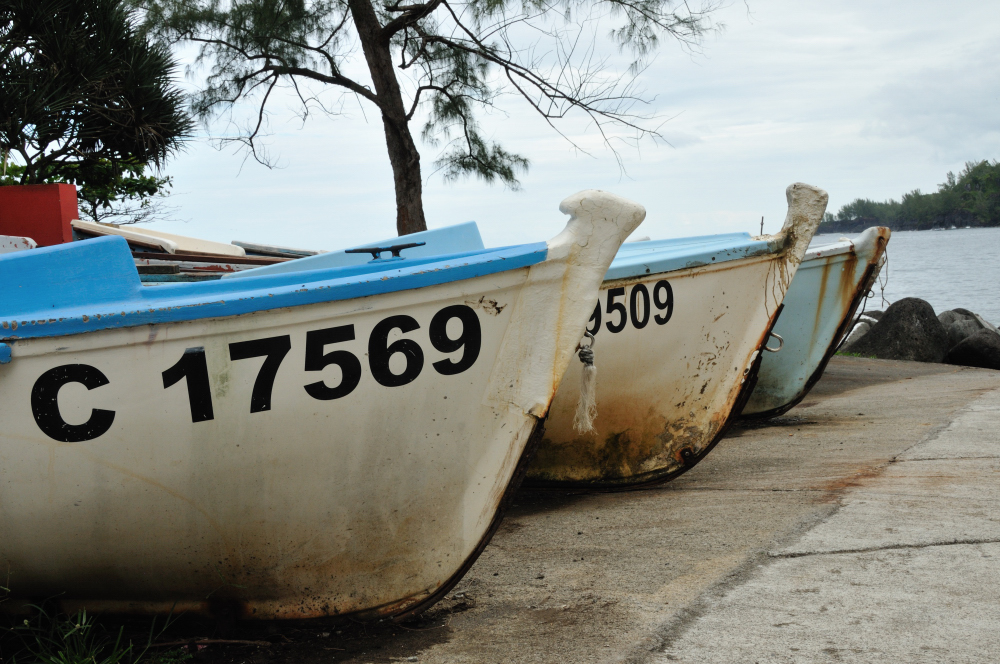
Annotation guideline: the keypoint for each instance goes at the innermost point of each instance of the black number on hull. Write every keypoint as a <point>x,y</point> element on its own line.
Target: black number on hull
<point>317,360</point>
<point>274,349</point>
<point>667,303</point>
<point>380,351</point>
<point>194,367</point>
<point>639,292</point>
<point>45,404</point>
<point>471,338</point>
<point>616,306</point>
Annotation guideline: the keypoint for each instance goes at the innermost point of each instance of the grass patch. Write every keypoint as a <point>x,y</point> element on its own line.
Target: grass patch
<point>53,638</point>
<point>867,357</point>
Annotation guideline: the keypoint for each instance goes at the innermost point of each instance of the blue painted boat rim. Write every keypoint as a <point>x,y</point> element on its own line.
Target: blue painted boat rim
<point>842,246</point>
<point>637,259</point>
<point>457,238</point>
<point>864,245</point>
<point>93,285</point>
<point>634,259</point>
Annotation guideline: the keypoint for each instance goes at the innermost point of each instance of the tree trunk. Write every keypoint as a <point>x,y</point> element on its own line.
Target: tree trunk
<point>403,153</point>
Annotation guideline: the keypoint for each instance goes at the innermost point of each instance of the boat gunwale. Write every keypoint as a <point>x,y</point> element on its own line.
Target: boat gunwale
<point>116,337</point>
<point>152,306</point>
<point>694,270</point>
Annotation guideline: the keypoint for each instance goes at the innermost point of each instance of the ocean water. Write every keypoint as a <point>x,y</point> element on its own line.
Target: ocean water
<point>950,269</point>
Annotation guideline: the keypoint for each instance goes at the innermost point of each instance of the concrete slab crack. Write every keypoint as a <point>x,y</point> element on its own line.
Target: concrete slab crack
<point>886,547</point>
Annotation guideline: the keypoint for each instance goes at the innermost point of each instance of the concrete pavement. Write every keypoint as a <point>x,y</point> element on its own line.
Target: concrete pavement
<point>906,570</point>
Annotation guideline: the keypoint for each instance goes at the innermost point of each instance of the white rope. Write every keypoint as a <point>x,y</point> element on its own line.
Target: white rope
<point>586,407</point>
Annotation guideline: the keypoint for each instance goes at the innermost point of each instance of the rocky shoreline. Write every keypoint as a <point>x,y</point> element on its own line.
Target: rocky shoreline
<point>910,330</point>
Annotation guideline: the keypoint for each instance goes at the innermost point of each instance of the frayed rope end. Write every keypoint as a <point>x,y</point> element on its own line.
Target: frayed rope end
<point>586,407</point>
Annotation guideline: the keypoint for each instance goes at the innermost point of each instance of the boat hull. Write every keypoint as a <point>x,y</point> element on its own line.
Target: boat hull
<point>669,379</point>
<point>664,392</point>
<point>167,508</point>
<point>819,308</point>
<point>341,457</point>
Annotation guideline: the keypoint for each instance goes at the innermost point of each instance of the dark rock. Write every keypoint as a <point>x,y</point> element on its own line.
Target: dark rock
<point>908,330</point>
<point>961,329</point>
<point>981,349</point>
<point>949,317</point>
<point>962,323</point>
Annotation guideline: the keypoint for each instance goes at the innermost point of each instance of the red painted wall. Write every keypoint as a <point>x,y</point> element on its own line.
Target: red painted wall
<point>39,211</point>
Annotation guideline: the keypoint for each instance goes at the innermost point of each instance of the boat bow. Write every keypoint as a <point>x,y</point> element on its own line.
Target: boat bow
<point>555,317</point>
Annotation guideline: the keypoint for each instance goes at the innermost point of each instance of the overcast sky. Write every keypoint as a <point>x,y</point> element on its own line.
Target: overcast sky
<point>863,98</point>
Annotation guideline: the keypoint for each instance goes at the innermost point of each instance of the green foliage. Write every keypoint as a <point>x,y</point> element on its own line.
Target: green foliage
<point>449,60</point>
<point>81,90</point>
<point>970,199</point>
<point>77,639</point>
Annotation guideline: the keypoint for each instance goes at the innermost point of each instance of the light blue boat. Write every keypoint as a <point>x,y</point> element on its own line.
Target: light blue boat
<point>831,282</point>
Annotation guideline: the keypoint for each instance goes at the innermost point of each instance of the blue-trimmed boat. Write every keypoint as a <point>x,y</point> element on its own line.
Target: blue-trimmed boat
<point>286,445</point>
<point>820,305</point>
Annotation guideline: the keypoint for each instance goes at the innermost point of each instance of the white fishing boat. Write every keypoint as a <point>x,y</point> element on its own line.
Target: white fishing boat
<point>679,330</point>
<point>275,446</point>
<point>819,308</point>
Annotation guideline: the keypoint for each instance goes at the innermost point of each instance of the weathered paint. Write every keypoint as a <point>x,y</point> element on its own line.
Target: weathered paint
<point>819,307</point>
<point>10,243</point>
<point>370,504</point>
<point>666,392</point>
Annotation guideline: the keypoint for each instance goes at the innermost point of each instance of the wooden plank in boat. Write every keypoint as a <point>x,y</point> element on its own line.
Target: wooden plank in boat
<point>275,250</point>
<point>202,258</point>
<point>168,242</point>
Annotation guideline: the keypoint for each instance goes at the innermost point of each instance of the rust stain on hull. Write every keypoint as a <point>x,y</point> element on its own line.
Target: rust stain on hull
<point>678,449</point>
<point>642,438</point>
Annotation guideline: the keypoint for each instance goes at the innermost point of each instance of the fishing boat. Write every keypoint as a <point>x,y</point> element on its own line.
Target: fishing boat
<point>276,447</point>
<point>820,305</point>
<point>679,331</point>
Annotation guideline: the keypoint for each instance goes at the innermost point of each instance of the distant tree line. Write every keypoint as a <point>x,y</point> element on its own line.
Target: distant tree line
<point>970,199</point>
